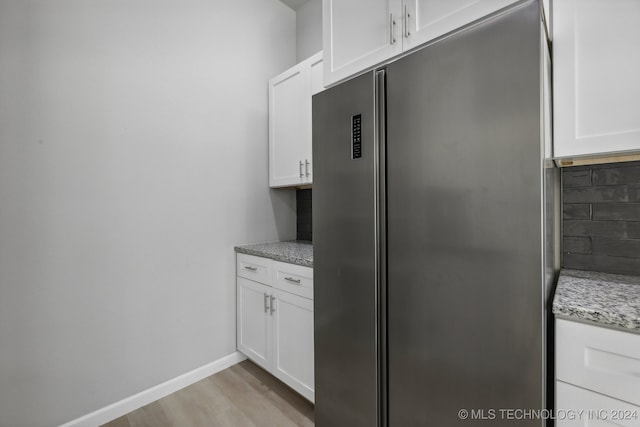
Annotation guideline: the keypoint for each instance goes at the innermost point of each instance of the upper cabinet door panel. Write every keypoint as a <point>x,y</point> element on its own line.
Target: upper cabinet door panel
<point>596,83</point>
<point>290,162</point>
<point>289,124</point>
<point>358,34</point>
<point>425,20</point>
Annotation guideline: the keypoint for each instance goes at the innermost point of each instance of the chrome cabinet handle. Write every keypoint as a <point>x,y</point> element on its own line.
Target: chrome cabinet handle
<point>301,174</point>
<point>292,280</point>
<point>306,167</point>
<point>266,304</point>
<point>254,269</point>
<point>392,29</point>
<point>407,15</point>
<point>271,304</point>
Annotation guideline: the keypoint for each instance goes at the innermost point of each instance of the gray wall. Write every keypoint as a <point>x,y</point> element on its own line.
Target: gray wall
<point>601,218</point>
<point>308,29</point>
<point>133,157</point>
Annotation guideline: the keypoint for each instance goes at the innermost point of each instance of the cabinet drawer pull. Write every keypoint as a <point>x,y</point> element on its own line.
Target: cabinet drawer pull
<point>292,280</point>
<point>392,29</point>
<point>271,304</point>
<point>301,165</point>
<point>306,167</point>
<point>266,304</point>
<point>254,269</point>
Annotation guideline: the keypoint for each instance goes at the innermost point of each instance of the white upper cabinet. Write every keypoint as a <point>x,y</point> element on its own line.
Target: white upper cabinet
<point>290,123</point>
<point>359,34</point>
<point>426,20</point>
<point>289,126</point>
<point>596,70</point>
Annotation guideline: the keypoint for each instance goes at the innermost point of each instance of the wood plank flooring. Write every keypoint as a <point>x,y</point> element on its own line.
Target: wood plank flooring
<point>242,395</point>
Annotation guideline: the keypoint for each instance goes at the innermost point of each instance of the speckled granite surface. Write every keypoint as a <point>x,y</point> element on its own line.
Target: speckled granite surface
<point>295,252</point>
<point>608,299</point>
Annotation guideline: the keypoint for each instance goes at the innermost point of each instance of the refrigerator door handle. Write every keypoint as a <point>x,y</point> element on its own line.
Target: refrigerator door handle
<point>381,243</point>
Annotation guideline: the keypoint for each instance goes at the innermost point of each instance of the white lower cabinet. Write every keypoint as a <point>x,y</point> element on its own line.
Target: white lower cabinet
<point>293,342</point>
<point>578,407</point>
<point>254,323</point>
<point>275,319</point>
<point>597,376</point>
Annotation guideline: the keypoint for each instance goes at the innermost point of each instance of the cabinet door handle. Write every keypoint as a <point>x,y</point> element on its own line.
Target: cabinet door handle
<point>254,269</point>
<point>407,15</point>
<point>272,298</point>
<point>301,174</point>
<point>266,304</point>
<point>306,167</point>
<point>392,29</point>
<point>292,280</point>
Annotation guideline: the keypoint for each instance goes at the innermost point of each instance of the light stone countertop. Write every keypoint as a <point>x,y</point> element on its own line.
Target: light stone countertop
<point>607,299</point>
<point>298,252</point>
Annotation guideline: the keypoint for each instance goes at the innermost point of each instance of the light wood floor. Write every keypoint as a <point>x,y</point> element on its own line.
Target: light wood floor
<point>242,395</point>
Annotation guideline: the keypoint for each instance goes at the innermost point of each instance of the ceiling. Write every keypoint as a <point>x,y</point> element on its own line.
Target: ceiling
<point>294,4</point>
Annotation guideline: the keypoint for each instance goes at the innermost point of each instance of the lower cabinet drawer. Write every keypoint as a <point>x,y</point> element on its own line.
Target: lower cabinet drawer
<point>577,407</point>
<point>600,359</point>
<point>254,268</point>
<point>294,279</point>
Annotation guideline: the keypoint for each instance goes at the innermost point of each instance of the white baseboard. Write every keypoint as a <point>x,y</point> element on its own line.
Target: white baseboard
<point>124,406</point>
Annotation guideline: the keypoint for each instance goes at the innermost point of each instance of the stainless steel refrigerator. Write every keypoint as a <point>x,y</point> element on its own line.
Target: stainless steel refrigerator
<point>435,233</point>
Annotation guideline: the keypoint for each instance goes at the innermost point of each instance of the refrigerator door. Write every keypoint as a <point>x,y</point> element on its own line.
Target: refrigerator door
<point>464,181</point>
<point>345,254</point>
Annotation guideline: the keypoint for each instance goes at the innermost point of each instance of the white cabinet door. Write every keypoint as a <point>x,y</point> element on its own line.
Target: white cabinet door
<point>426,20</point>
<point>290,162</point>
<point>358,34</point>
<point>289,127</point>
<point>293,342</point>
<point>596,69</point>
<point>254,324</point>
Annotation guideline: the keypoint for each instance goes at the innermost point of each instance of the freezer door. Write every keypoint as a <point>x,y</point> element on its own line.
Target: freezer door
<point>344,224</point>
<point>464,227</point>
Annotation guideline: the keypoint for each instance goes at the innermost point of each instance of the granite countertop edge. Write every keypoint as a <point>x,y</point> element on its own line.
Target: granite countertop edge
<point>298,252</point>
<point>604,298</point>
